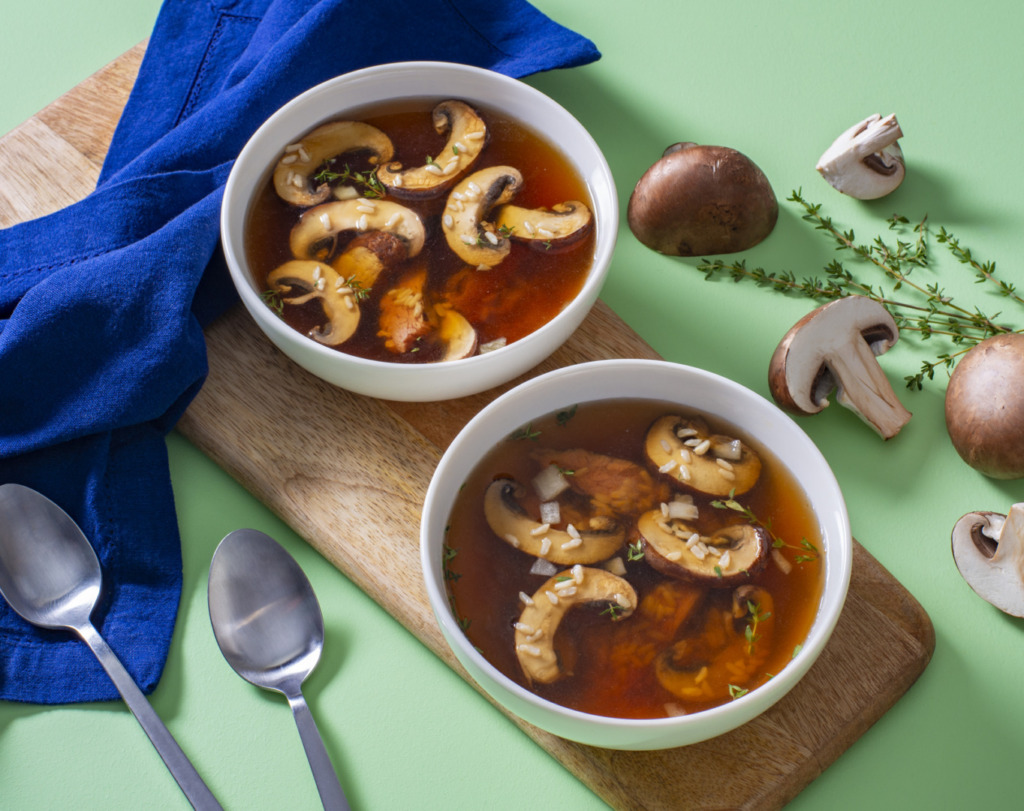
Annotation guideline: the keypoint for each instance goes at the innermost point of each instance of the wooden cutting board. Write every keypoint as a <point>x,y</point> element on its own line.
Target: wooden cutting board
<point>357,500</point>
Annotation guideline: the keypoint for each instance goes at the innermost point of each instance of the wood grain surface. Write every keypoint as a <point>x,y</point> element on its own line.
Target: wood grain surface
<point>361,510</point>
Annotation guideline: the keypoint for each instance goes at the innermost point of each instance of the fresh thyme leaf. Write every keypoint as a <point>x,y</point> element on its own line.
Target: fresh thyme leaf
<point>635,551</point>
<point>922,307</point>
<point>563,417</point>
<point>526,432</point>
<point>614,610</point>
<point>735,691</point>
<point>272,298</point>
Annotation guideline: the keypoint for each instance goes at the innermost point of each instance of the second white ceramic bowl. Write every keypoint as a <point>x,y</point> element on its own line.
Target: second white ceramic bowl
<point>685,386</point>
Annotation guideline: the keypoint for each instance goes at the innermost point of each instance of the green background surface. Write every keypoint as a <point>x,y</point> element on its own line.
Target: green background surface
<point>778,81</point>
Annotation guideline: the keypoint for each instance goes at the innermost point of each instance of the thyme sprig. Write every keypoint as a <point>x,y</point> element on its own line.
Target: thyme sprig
<point>370,187</point>
<point>919,306</point>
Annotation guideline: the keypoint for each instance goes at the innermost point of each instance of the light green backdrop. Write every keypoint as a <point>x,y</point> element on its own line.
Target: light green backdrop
<point>778,81</point>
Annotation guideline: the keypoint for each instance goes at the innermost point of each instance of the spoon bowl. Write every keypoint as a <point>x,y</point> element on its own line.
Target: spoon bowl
<point>270,629</point>
<point>50,575</point>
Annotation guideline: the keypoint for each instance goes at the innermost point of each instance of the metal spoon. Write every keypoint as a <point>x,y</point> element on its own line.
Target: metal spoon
<point>50,575</point>
<point>269,627</point>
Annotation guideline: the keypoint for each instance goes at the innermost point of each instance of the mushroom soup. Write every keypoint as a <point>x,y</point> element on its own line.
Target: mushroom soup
<point>628,559</point>
<point>423,231</point>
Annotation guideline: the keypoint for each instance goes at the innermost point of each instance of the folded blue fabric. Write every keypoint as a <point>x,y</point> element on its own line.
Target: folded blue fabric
<point>102,304</point>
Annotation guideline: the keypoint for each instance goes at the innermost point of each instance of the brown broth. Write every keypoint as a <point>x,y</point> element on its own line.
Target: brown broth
<point>518,296</point>
<point>612,662</point>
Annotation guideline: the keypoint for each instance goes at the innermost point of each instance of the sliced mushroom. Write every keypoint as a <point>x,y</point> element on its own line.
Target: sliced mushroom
<point>467,136</point>
<point>314,280</point>
<point>455,333</point>
<point>294,174</point>
<point>403,313</point>
<point>315,234</point>
<point>728,557</point>
<point>835,347</point>
<point>558,227</point>
<point>988,549</point>
<point>726,655</point>
<point>509,521</point>
<point>539,621</point>
<point>367,256</point>
<point>470,203</point>
<point>686,452</point>
<point>866,161</point>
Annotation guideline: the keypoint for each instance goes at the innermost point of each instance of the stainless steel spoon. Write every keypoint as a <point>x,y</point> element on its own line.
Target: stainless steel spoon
<point>269,627</point>
<point>50,575</point>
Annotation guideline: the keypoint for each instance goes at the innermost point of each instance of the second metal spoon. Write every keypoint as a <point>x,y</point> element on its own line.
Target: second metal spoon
<point>269,627</point>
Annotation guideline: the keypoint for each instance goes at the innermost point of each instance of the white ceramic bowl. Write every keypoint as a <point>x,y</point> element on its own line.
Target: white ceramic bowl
<point>652,380</point>
<point>418,80</point>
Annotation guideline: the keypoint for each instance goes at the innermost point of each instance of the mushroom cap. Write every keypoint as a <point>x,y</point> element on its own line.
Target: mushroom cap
<point>702,200</point>
<point>985,407</point>
<point>509,521</point>
<point>293,174</point>
<point>468,207</point>
<point>866,161</point>
<point>988,549</point>
<point>835,346</point>
<point>467,136</point>
<point>685,452</point>
<point>538,623</point>
<point>669,547</point>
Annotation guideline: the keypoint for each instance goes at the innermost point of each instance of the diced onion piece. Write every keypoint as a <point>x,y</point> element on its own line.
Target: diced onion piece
<point>550,512</point>
<point>730,450</point>
<point>616,566</point>
<point>683,510</point>
<point>549,483</point>
<point>545,568</point>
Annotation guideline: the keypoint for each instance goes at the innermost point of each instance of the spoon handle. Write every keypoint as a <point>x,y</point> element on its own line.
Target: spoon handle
<point>197,792</point>
<point>331,794</point>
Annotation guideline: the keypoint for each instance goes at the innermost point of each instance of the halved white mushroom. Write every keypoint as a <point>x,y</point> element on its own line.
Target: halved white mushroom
<point>686,452</point>
<point>728,557</point>
<point>557,227</point>
<point>294,178</point>
<point>988,549</point>
<point>725,655</point>
<point>467,136</point>
<point>866,161</point>
<point>315,234</point>
<point>464,222</point>
<point>538,623</point>
<point>509,521</point>
<point>835,346</point>
<point>315,280</point>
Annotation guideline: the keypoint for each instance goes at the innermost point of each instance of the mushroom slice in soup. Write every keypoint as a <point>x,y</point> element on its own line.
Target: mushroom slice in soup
<point>560,226</point>
<point>539,621</point>
<point>314,280</point>
<point>686,452</point>
<point>729,556</point>
<point>315,234</point>
<point>464,221</point>
<point>509,521</point>
<point>295,172</point>
<point>403,313</point>
<point>467,136</point>
<point>726,655</point>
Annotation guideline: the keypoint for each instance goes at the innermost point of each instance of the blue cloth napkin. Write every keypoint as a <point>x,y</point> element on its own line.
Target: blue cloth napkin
<point>102,304</point>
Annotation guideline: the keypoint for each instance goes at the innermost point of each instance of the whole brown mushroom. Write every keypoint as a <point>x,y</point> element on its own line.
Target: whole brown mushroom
<point>985,407</point>
<point>702,200</point>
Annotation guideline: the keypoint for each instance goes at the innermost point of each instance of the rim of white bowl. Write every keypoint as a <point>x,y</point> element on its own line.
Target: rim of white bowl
<point>599,182</point>
<point>838,560</point>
